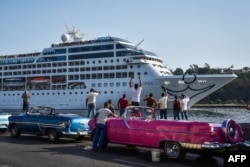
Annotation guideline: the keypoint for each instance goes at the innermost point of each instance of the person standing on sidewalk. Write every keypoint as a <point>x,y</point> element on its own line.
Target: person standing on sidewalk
<point>122,104</point>
<point>163,103</point>
<point>100,129</point>
<point>91,102</point>
<point>135,91</point>
<point>184,103</point>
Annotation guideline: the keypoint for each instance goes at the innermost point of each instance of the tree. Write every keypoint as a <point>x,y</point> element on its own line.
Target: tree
<point>178,71</point>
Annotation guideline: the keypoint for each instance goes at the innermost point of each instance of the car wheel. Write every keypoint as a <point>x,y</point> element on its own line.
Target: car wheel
<point>52,135</point>
<point>14,131</point>
<point>174,151</point>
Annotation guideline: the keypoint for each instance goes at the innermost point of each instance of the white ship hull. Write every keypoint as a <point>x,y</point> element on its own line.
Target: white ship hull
<point>105,64</point>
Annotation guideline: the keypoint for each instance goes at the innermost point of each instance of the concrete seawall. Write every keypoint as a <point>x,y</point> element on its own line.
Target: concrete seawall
<point>246,129</point>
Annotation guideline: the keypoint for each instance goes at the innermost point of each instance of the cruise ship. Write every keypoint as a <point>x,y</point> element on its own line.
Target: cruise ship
<point>61,76</point>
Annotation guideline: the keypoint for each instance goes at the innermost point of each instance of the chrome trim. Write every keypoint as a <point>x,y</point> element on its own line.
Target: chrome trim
<point>75,133</point>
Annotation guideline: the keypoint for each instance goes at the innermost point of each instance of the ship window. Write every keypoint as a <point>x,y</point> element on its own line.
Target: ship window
<point>145,73</point>
<point>99,61</point>
<point>99,76</point>
<point>106,75</point>
<point>105,84</point>
<point>99,68</point>
<point>138,73</point>
<point>124,75</point>
<point>131,66</point>
<point>99,85</point>
<point>58,93</point>
<point>93,62</point>
<point>131,74</point>
<point>93,76</point>
<point>54,71</point>
<point>117,60</point>
<point>118,75</point>
<point>124,84</point>
<point>111,84</point>
<point>118,84</point>
<point>111,92</point>
<point>93,85</point>
<point>111,61</point>
<point>47,93</point>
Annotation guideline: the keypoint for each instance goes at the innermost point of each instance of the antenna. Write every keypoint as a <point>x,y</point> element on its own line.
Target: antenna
<point>139,43</point>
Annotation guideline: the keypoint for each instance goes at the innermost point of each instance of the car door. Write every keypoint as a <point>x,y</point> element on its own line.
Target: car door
<point>30,124</point>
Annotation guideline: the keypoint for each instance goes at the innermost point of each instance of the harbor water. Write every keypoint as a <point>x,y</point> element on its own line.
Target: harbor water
<point>217,115</point>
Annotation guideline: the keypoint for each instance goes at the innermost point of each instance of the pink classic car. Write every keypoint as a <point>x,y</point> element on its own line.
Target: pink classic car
<point>139,127</point>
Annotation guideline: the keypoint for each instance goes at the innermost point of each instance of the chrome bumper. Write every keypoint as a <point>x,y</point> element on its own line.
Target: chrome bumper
<point>220,146</point>
<point>83,133</point>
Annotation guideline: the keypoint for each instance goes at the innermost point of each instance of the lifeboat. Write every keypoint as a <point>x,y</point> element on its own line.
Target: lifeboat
<point>59,79</point>
<point>12,82</point>
<point>40,80</point>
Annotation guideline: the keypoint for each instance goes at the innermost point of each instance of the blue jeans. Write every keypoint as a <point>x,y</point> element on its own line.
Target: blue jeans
<point>99,136</point>
<point>185,112</point>
<point>91,110</point>
<point>176,114</point>
<point>163,113</point>
<point>122,111</point>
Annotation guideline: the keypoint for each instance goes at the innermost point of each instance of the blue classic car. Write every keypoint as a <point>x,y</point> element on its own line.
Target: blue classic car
<point>4,122</point>
<point>45,121</point>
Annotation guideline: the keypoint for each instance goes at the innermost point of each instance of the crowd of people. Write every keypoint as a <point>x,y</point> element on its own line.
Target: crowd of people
<point>180,104</point>
<point>180,107</point>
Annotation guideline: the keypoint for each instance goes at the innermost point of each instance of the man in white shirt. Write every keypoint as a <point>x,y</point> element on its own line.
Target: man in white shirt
<point>184,103</point>
<point>135,91</point>
<point>163,104</point>
<point>100,129</point>
<point>91,102</point>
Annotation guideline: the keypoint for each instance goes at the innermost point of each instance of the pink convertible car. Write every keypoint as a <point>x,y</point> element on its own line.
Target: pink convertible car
<point>139,127</point>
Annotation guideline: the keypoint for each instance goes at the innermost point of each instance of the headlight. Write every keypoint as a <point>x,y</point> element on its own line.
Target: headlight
<point>65,123</point>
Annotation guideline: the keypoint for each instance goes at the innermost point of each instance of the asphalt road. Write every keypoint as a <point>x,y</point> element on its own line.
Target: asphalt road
<point>34,151</point>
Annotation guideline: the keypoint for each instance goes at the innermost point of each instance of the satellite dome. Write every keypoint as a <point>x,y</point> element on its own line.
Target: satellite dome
<point>65,37</point>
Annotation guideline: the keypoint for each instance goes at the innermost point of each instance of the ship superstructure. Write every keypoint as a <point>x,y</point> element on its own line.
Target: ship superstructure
<point>61,75</point>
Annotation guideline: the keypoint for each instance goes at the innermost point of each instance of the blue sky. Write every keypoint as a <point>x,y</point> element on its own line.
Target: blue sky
<point>182,32</point>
